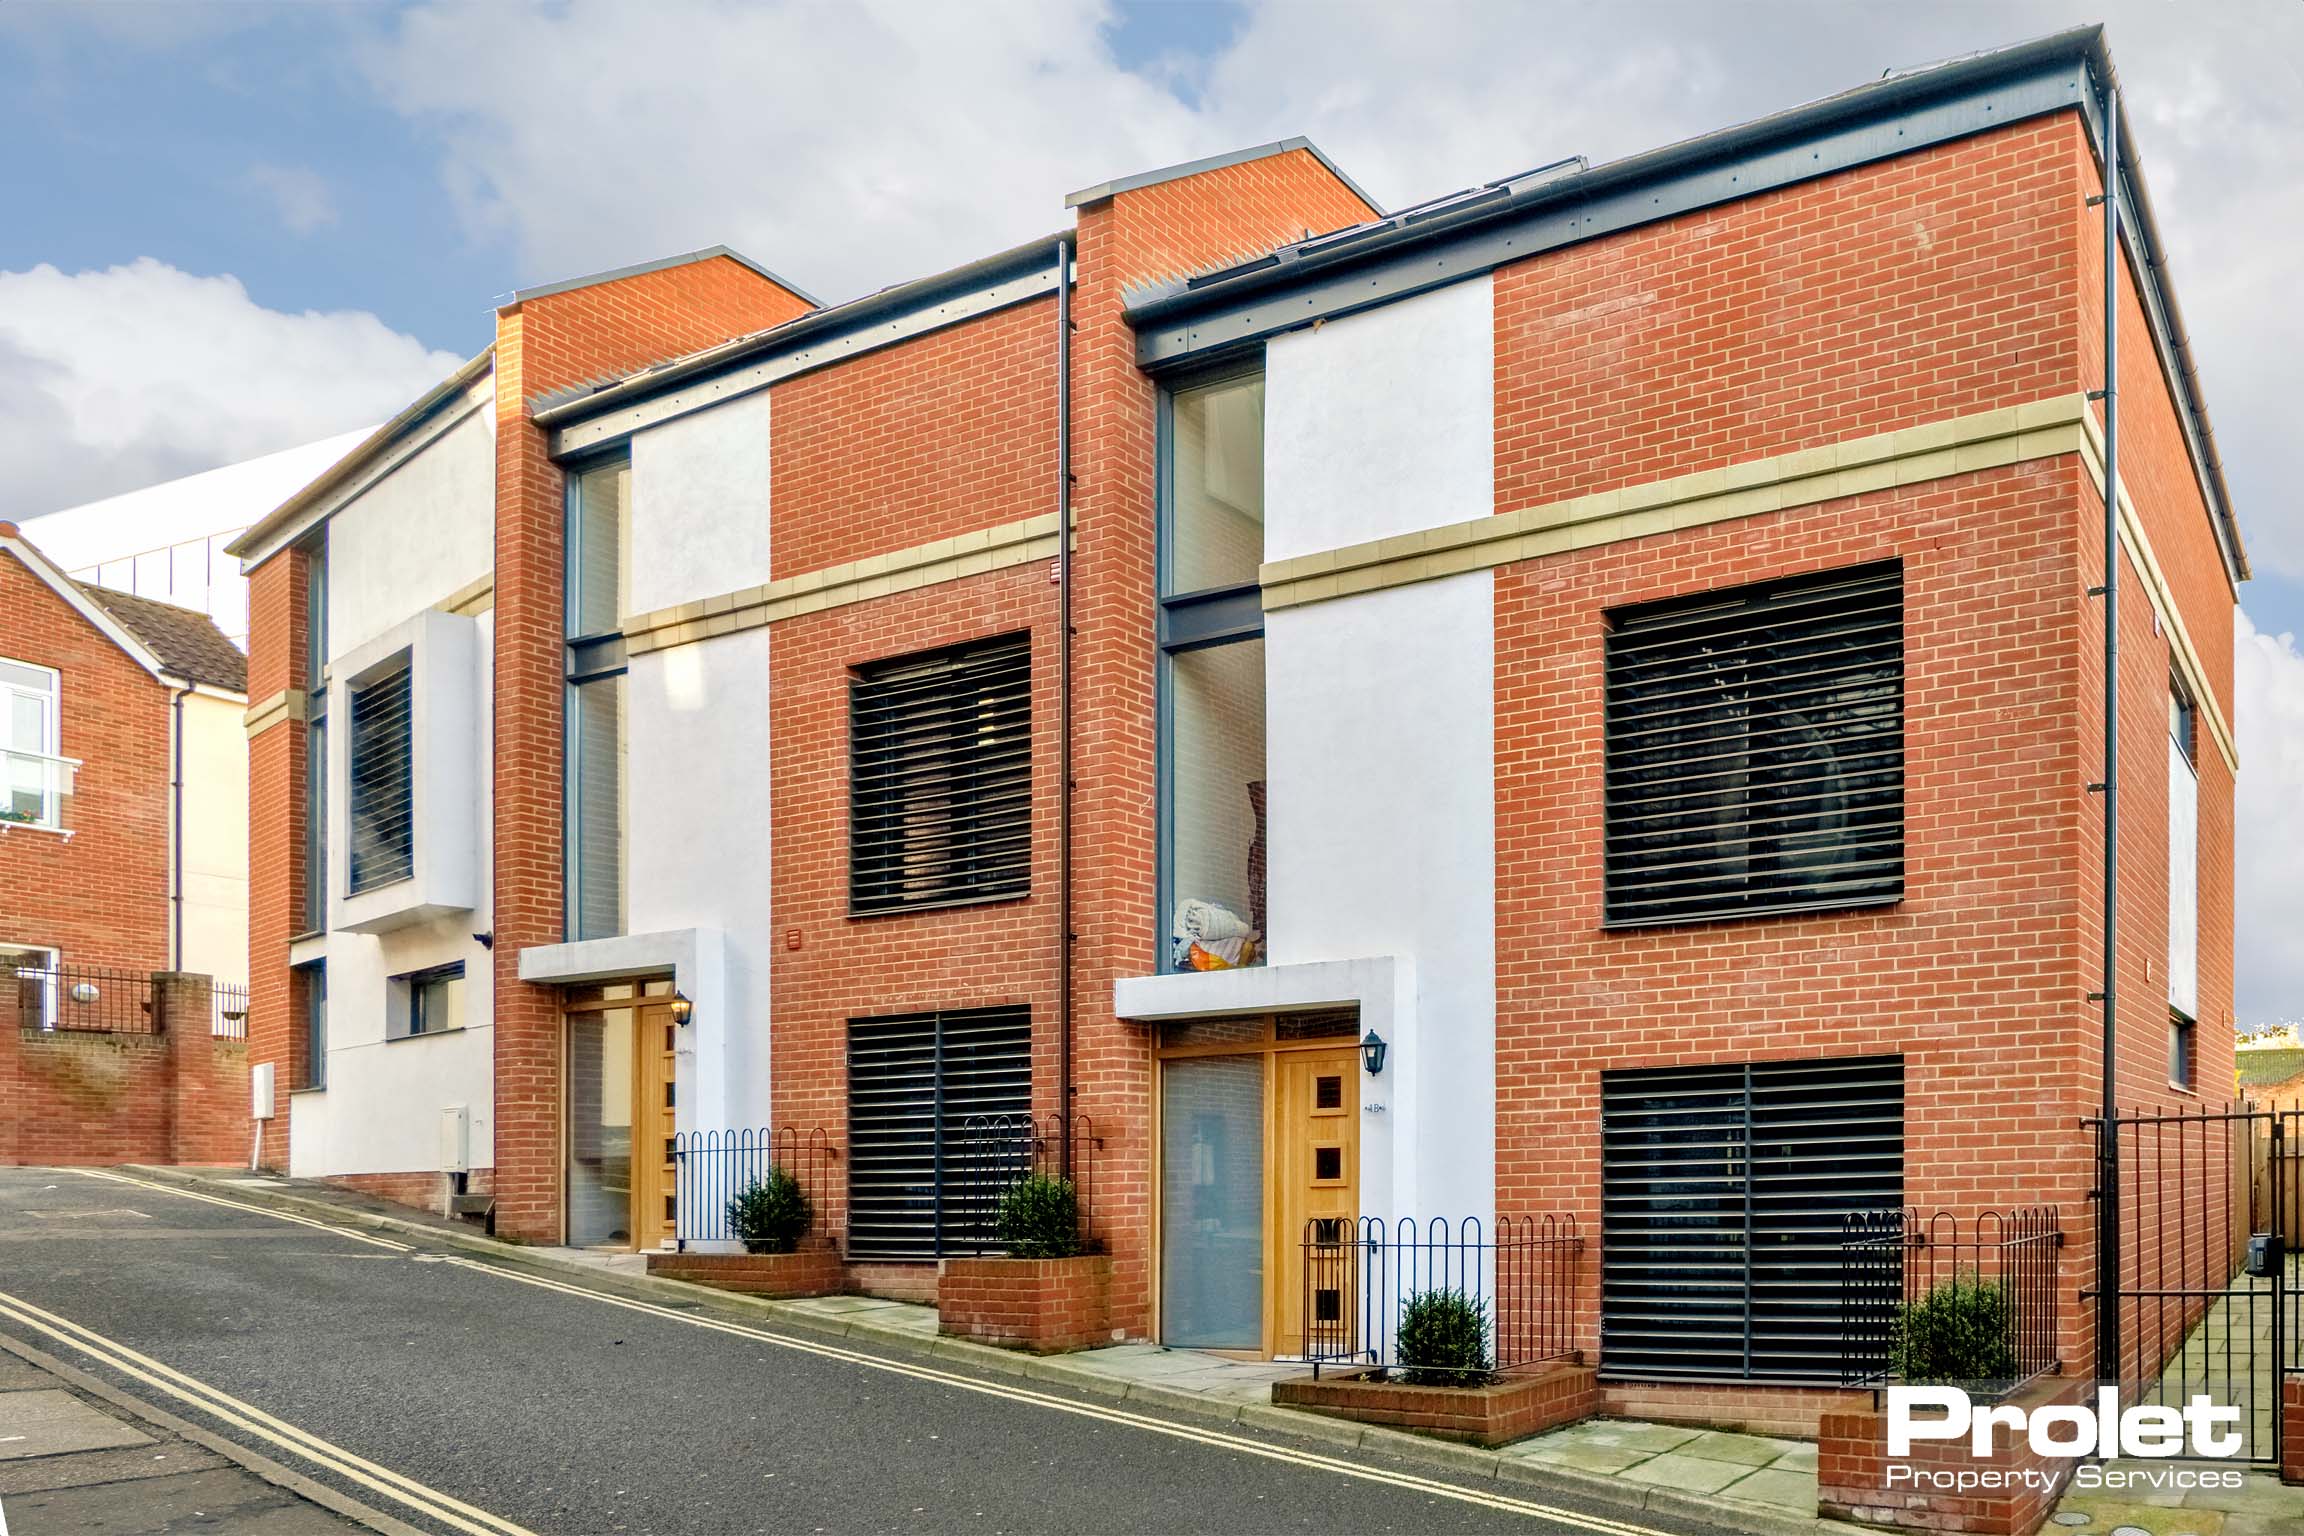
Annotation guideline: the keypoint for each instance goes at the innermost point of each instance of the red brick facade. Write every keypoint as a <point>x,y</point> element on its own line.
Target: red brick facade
<point>99,897</point>
<point>1047,1306</point>
<point>171,1094</point>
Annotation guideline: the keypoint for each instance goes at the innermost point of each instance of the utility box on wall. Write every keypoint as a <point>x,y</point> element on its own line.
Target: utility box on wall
<point>455,1139</point>
<point>260,1090</point>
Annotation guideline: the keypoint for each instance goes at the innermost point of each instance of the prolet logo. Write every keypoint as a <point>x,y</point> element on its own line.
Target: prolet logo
<point>2069,1430</point>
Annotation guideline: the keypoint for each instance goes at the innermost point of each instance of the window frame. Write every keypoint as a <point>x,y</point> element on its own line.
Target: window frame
<point>315,662</point>
<point>401,664</point>
<point>408,1020</point>
<point>2183,1052</point>
<point>951,894</point>
<point>1185,622</point>
<point>13,965</point>
<point>56,787</point>
<point>312,1010</point>
<point>589,660</point>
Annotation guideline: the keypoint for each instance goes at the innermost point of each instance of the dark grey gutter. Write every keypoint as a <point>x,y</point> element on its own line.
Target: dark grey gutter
<point>1419,249</point>
<point>820,329</point>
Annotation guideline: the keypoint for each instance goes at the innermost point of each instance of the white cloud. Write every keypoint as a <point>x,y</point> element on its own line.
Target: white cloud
<point>300,198</point>
<point>2268,684</point>
<point>115,379</point>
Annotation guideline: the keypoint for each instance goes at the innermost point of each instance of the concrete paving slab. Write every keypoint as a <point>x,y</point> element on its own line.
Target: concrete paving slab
<point>1649,1439</point>
<point>1793,1491</point>
<point>1687,1474</point>
<point>1555,1451</point>
<point>1745,1450</point>
<point>49,1422</point>
<point>1801,1458</point>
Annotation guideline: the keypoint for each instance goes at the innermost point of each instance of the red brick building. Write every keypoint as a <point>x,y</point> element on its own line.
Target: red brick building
<point>1619,636</point>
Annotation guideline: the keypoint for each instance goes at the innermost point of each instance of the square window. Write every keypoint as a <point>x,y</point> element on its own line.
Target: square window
<point>1755,750</point>
<point>1327,1164</point>
<point>1327,1305</point>
<point>430,1002</point>
<point>1328,1093</point>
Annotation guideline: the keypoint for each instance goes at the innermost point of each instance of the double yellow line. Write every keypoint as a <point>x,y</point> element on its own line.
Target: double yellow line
<point>1599,1524</point>
<point>369,1238</point>
<point>451,1512</point>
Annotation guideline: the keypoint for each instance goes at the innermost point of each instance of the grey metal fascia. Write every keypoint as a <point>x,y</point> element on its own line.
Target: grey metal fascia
<point>1143,179</point>
<point>523,295</point>
<point>593,422</point>
<point>1182,324</point>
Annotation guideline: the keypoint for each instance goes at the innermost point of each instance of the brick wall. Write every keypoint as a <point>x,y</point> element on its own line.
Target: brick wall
<point>174,1094</point>
<point>277,633</point>
<point>543,345</point>
<point>101,897</point>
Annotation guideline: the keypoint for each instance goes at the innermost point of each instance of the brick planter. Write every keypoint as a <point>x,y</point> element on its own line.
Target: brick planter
<point>1047,1306</point>
<point>808,1271</point>
<point>1854,1478</point>
<point>1509,1410</point>
<point>2292,1429</point>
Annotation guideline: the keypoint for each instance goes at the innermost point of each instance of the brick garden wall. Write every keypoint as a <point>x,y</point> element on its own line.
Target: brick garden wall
<point>173,1095</point>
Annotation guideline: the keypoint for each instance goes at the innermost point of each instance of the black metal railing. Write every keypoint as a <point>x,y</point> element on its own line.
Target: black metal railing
<point>1361,1275</point>
<point>228,1001</point>
<point>1939,1297</point>
<point>711,1168</point>
<point>994,1153</point>
<point>83,999</point>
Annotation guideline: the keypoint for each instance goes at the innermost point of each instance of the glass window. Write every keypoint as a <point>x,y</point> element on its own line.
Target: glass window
<point>598,575</point>
<point>1216,486</point>
<point>32,970</point>
<point>35,781</point>
<point>600,1126</point>
<point>313,987</point>
<point>1216,799</point>
<point>429,1002</point>
<point>381,811</point>
<point>1211,633</point>
<point>2181,1032</point>
<point>316,733</point>
<point>595,826</point>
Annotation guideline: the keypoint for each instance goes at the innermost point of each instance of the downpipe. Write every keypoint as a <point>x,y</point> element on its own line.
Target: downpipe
<point>2108,1351</point>
<point>1065,937</point>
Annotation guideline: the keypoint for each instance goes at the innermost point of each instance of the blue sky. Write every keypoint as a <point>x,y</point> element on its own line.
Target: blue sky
<point>234,227</point>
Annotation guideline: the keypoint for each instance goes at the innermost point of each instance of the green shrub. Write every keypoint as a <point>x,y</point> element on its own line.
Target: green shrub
<point>1443,1340</point>
<point>1957,1332</point>
<point>1040,1218</point>
<point>770,1214</point>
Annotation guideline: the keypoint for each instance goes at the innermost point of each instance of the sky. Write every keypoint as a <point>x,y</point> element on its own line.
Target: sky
<point>234,227</point>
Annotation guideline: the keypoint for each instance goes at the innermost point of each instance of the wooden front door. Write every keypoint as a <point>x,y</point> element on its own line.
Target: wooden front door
<point>1314,1165</point>
<point>655,1187</point>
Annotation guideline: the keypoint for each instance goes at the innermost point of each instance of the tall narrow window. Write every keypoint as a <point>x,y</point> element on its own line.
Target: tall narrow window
<point>1211,633</point>
<point>594,768</point>
<point>35,779</point>
<point>381,810</point>
<point>315,683</point>
<point>312,999</point>
<point>1755,750</point>
<point>2183,869</point>
<point>940,778</point>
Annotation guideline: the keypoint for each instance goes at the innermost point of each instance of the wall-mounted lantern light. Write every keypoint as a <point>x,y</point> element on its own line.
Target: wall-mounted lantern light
<point>1372,1053</point>
<point>682,1009</point>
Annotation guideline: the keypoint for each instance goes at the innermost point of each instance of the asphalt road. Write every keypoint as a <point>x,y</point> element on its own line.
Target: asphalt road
<point>557,1410</point>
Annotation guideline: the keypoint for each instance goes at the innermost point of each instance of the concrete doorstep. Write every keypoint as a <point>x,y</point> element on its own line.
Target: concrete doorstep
<point>1748,1483</point>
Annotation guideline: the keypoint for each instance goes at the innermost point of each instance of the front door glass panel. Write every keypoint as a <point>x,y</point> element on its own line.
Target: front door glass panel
<point>1212,1202</point>
<point>600,1127</point>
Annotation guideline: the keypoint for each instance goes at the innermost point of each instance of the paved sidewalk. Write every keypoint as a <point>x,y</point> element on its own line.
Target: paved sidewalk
<point>73,1462</point>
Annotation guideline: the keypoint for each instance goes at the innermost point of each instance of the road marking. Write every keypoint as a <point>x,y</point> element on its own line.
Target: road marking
<point>1407,1480</point>
<point>249,1419</point>
<point>241,1205</point>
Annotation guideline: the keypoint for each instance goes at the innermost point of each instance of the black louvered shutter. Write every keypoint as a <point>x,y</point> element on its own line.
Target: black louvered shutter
<point>382,808</point>
<point>1755,750</point>
<point>1723,1190</point>
<point>918,1083</point>
<point>940,778</point>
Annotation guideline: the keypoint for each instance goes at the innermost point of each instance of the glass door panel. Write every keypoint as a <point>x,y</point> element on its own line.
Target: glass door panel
<point>600,1128</point>
<point>1212,1202</point>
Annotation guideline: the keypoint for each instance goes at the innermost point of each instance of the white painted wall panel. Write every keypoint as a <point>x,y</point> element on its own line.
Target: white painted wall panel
<point>416,537</point>
<point>1383,842</point>
<point>699,853</point>
<point>700,505</point>
<point>1381,423</point>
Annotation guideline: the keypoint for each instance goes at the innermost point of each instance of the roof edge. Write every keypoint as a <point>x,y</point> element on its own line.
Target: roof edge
<point>661,264</point>
<point>49,574</point>
<point>266,527</point>
<point>1142,179</point>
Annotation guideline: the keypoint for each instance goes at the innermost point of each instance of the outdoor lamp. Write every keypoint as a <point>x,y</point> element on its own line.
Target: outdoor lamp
<point>682,1009</point>
<point>1372,1053</point>
<point>84,992</point>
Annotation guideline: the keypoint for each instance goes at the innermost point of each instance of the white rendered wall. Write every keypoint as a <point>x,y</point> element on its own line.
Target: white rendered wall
<point>416,537</point>
<point>215,838</point>
<point>1381,720</point>
<point>696,770</point>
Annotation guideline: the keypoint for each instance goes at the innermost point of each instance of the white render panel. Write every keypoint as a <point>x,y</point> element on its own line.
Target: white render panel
<point>1381,760</point>
<point>415,538</point>
<point>1381,423</point>
<point>700,505</point>
<point>697,834</point>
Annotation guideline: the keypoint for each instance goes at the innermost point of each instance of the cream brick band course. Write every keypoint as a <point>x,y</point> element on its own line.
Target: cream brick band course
<point>287,704</point>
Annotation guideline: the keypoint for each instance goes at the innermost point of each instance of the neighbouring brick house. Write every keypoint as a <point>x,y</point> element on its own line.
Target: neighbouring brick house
<point>1621,635</point>
<point>123,854</point>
